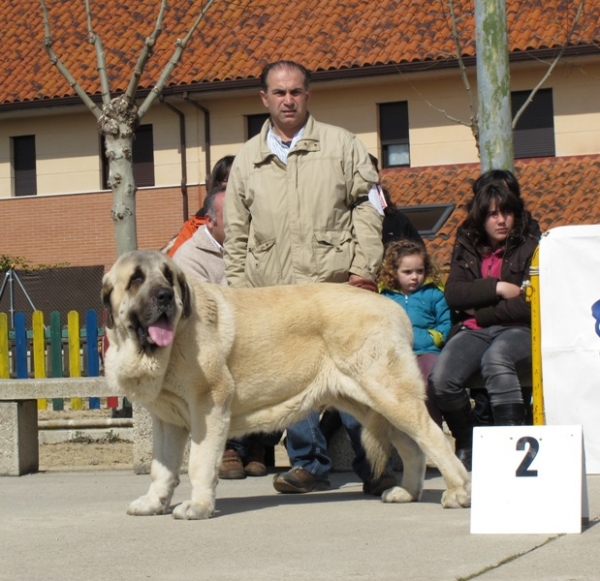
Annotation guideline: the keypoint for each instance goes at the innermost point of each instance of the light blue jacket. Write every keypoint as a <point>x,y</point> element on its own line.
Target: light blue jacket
<point>429,314</point>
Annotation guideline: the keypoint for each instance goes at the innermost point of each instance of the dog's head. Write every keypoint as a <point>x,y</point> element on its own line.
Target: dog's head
<point>145,295</point>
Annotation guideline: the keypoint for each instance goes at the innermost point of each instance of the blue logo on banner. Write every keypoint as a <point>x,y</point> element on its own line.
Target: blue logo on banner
<point>596,315</point>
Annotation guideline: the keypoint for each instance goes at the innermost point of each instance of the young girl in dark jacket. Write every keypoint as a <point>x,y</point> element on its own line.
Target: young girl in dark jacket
<point>490,261</point>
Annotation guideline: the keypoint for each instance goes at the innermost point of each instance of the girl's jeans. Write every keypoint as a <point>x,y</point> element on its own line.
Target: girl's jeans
<point>498,353</point>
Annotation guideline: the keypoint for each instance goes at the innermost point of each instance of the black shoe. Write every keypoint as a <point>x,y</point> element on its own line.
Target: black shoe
<point>299,480</point>
<point>378,486</point>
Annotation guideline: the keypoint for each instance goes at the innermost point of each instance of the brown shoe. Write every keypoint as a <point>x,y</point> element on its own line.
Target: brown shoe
<point>255,461</point>
<point>232,467</point>
<point>298,480</point>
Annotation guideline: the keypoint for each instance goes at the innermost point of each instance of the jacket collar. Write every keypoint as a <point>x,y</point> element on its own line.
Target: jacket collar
<point>310,140</point>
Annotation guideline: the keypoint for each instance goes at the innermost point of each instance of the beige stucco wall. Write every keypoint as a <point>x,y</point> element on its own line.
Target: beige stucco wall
<point>67,144</point>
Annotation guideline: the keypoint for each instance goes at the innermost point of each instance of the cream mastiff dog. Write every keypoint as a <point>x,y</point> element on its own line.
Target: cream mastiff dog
<point>212,362</point>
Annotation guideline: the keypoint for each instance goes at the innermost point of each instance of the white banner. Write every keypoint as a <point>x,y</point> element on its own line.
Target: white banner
<point>569,290</point>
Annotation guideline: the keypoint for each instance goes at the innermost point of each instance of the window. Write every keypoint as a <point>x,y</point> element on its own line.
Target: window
<point>254,124</point>
<point>24,170</point>
<point>428,219</point>
<point>534,134</point>
<point>393,132</point>
<point>143,158</point>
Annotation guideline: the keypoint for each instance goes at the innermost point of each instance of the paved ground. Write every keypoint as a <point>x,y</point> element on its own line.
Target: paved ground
<point>63,526</point>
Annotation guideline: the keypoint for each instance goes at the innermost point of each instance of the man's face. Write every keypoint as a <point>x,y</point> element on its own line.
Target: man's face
<point>286,98</point>
<point>216,226</point>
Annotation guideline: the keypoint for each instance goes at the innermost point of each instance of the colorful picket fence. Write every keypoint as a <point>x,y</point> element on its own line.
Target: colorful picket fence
<point>53,351</point>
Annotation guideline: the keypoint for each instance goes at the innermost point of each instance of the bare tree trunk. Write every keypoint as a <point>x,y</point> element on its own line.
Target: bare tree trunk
<point>117,124</point>
<point>493,86</point>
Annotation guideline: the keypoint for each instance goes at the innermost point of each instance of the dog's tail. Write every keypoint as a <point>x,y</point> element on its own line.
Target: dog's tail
<point>376,440</point>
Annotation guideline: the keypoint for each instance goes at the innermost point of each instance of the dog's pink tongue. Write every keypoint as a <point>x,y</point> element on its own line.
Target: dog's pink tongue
<point>161,333</point>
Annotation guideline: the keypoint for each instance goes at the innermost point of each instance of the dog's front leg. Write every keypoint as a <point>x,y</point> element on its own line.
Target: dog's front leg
<point>167,450</point>
<point>209,435</point>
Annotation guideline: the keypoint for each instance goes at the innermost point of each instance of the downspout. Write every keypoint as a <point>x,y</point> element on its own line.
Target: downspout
<point>206,112</point>
<point>183,148</point>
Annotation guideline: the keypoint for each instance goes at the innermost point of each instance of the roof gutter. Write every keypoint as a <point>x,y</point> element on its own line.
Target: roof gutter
<point>208,163</point>
<point>183,148</point>
<point>317,76</point>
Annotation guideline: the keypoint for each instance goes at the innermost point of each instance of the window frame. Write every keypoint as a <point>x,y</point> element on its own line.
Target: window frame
<point>253,122</point>
<point>24,165</point>
<point>396,132</point>
<point>534,134</point>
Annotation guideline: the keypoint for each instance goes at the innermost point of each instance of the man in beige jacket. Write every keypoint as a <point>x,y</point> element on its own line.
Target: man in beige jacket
<point>297,211</point>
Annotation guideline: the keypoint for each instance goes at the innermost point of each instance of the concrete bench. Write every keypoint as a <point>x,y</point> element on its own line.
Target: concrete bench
<point>19,442</point>
<point>19,446</point>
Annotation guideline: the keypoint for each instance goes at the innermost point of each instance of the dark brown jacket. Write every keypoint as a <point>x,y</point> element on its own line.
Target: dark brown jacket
<point>466,289</point>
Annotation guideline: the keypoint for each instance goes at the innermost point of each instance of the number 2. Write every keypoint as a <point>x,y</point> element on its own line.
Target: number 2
<point>534,447</point>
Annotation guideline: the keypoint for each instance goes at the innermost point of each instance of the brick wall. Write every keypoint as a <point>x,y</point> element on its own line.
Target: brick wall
<point>77,229</point>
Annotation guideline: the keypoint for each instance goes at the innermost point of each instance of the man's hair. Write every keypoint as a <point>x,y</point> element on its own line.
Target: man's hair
<point>283,65</point>
<point>209,203</point>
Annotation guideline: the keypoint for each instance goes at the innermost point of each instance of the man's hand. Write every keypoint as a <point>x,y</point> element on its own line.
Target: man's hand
<point>361,282</point>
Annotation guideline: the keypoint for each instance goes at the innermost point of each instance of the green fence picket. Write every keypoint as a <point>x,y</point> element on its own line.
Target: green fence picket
<point>56,357</point>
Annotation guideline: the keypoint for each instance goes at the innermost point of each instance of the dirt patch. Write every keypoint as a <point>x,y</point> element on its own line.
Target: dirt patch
<point>84,453</point>
<point>100,455</point>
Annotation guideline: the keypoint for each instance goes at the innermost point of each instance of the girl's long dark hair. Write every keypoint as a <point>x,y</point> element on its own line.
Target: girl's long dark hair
<point>478,208</point>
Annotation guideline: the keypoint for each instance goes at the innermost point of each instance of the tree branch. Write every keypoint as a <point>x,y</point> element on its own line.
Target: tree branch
<point>146,53</point>
<point>61,67</point>
<point>463,73</point>
<point>552,66</point>
<point>180,45</point>
<point>94,39</point>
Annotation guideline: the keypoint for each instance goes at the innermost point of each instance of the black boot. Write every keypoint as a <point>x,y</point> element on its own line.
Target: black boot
<point>460,422</point>
<point>509,414</point>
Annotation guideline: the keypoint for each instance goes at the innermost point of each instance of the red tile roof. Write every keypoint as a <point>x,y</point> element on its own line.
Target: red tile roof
<point>557,190</point>
<point>236,39</point>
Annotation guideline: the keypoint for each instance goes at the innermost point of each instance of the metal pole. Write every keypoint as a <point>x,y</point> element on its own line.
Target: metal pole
<point>532,293</point>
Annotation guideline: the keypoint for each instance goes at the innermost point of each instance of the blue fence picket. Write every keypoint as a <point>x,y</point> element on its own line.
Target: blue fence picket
<point>93,363</point>
<point>21,346</point>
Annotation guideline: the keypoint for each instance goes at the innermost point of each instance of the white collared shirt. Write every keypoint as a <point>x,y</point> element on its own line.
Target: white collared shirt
<point>278,147</point>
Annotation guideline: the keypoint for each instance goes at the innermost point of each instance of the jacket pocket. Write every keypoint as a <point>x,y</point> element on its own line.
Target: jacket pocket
<point>333,251</point>
<point>262,264</point>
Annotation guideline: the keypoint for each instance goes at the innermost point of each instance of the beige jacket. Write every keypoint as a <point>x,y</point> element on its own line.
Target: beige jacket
<point>307,221</point>
<point>201,258</point>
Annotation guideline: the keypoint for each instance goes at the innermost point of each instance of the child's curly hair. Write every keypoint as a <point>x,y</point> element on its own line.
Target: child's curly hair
<point>394,253</point>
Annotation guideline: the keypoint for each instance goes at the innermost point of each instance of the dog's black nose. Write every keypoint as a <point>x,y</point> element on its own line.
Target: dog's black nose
<point>164,296</point>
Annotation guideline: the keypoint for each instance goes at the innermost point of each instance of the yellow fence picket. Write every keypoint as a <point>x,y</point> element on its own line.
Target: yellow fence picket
<point>74,356</point>
<point>39,351</point>
<point>4,357</point>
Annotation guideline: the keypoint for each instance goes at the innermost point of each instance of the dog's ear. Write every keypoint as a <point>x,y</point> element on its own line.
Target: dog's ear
<point>107,289</point>
<point>186,298</point>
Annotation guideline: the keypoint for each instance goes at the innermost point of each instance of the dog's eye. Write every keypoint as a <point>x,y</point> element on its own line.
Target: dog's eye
<point>137,278</point>
<point>168,274</point>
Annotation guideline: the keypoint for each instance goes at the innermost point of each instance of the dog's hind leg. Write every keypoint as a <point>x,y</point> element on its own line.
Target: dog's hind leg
<point>415,422</point>
<point>413,474</point>
<point>167,451</point>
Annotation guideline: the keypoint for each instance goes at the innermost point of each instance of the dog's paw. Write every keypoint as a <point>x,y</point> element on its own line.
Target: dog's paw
<point>189,510</point>
<point>146,505</point>
<point>459,497</point>
<point>397,494</point>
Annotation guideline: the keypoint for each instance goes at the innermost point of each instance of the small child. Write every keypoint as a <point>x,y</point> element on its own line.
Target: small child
<point>408,277</point>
